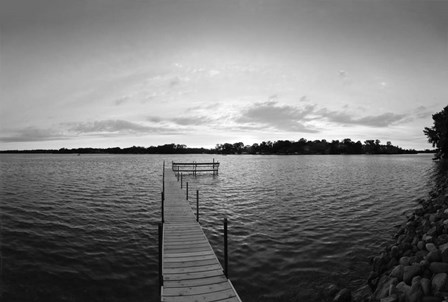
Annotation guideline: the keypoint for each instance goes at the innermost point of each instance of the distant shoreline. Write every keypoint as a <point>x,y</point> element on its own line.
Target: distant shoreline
<point>74,151</point>
<point>280,147</point>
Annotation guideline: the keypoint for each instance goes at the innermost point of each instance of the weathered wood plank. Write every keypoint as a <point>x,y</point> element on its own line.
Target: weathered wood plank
<point>186,250</point>
<point>213,296</point>
<point>183,241</point>
<point>186,236</point>
<point>191,258</point>
<point>188,246</point>
<point>195,282</point>
<point>180,264</point>
<point>196,290</point>
<point>180,241</point>
<point>192,269</point>
<point>188,254</point>
<point>193,275</point>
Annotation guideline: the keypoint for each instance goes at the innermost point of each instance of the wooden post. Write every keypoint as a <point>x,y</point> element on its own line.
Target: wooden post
<point>160,256</point>
<point>197,205</point>
<point>163,178</point>
<point>163,207</point>
<point>187,190</point>
<point>213,167</point>
<point>226,255</point>
<point>181,181</point>
<point>177,173</point>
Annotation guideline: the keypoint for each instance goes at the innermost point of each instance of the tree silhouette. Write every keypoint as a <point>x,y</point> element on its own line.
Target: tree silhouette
<point>438,133</point>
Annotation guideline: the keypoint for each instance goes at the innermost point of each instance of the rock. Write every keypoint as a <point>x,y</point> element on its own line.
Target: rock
<point>421,254</point>
<point>414,241</point>
<point>427,274</point>
<point>407,252</point>
<point>438,267</point>
<point>439,283</point>
<point>402,288</point>
<point>393,262</point>
<point>425,262</point>
<point>383,288</point>
<point>344,295</point>
<point>432,218</point>
<point>444,252</point>
<point>397,272</point>
<point>430,247</point>
<point>379,263</point>
<point>432,231</point>
<point>392,298</point>
<point>404,261</point>
<point>427,238</point>
<point>410,272</point>
<point>416,279</point>
<point>394,252</point>
<point>372,280</point>
<point>443,238</point>
<point>434,256</point>
<point>415,294</point>
<point>426,286</point>
<point>420,245</point>
<point>362,293</point>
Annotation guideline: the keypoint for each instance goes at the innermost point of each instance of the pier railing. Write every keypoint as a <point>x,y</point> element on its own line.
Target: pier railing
<point>195,167</point>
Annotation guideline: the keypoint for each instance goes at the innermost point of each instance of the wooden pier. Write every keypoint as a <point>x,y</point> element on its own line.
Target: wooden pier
<point>190,270</point>
<point>195,167</point>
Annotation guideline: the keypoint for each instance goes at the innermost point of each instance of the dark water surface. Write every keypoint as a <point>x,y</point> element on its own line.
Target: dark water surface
<point>84,228</point>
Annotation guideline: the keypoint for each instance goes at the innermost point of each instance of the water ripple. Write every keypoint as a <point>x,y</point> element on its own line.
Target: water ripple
<point>83,228</point>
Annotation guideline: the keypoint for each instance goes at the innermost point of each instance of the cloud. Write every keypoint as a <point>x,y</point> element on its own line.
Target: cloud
<point>212,106</point>
<point>193,120</point>
<point>117,127</point>
<point>190,121</point>
<point>121,100</point>
<point>33,134</point>
<point>270,114</point>
<point>382,120</point>
<point>155,119</point>
<point>294,118</point>
<point>174,82</point>
<point>75,130</point>
<point>422,112</point>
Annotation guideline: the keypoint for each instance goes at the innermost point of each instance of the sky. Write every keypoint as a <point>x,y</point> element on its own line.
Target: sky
<point>107,73</point>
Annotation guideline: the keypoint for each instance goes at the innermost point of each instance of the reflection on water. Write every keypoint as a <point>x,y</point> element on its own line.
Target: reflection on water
<point>439,179</point>
<point>84,228</point>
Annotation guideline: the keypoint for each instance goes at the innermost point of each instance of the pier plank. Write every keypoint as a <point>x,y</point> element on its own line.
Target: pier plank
<point>195,282</point>
<point>190,269</point>
<point>196,263</point>
<point>196,290</point>
<point>213,296</point>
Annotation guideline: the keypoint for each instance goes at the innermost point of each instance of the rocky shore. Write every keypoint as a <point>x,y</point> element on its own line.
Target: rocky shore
<point>415,267</point>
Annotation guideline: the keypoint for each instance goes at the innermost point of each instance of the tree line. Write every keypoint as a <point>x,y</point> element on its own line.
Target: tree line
<point>161,149</point>
<point>302,146</point>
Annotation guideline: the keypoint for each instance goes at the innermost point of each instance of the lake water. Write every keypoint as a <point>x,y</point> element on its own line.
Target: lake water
<point>84,228</point>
